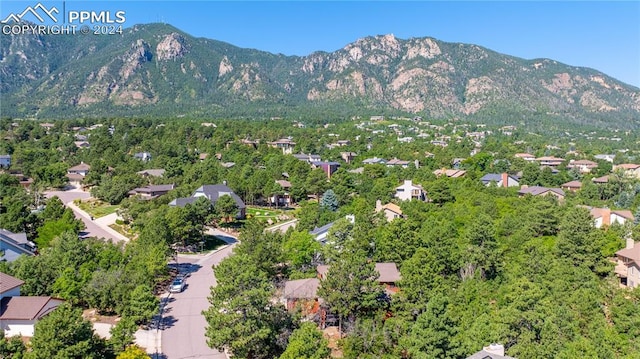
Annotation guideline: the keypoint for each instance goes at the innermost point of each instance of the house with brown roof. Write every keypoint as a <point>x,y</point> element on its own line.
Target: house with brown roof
<point>628,267</point>
<point>348,156</point>
<point>388,275</point>
<point>302,294</point>
<point>391,210</point>
<point>18,315</point>
<point>601,180</point>
<point>284,198</point>
<point>285,144</point>
<point>629,169</point>
<point>571,186</point>
<point>76,174</point>
<point>451,173</point>
<point>525,156</point>
<point>541,191</point>
<point>550,161</point>
<point>154,172</point>
<point>607,217</point>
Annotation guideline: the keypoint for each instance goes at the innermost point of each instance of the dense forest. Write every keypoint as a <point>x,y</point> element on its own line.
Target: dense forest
<point>478,264</point>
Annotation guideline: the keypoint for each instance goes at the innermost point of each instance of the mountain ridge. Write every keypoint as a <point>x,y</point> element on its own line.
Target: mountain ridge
<point>159,69</point>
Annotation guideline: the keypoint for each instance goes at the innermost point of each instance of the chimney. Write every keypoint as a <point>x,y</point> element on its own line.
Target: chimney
<point>606,217</point>
<point>505,180</point>
<point>417,163</point>
<point>494,348</point>
<point>629,241</point>
<point>378,205</point>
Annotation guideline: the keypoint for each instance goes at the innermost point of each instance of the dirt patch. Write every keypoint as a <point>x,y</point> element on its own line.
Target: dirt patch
<point>332,334</point>
<point>93,316</point>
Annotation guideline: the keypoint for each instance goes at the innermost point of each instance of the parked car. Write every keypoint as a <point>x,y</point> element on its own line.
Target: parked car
<point>177,285</point>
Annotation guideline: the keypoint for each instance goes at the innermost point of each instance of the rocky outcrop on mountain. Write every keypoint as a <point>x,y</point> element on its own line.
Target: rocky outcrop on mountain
<point>159,65</point>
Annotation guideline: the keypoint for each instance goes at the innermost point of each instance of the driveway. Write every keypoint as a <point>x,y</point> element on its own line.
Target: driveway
<point>93,228</point>
<point>183,324</point>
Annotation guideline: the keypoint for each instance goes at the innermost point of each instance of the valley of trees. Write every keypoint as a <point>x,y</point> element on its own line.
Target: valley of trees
<point>478,264</point>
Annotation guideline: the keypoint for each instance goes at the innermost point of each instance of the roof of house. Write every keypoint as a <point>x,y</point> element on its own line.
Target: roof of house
<point>25,308</point>
<point>628,166</point>
<point>397,162</point>
<point>496,177</point>
<point>284,183</point>
<point>550,158</point>
<point>524,155</point>
<point>301,288</point>
<point>374,160</point>
<point>601,212</point>
<point>603,179</point>
<point>215,191</point>
<point>152,172</point>
<point>631,253</point>
<point>8,282</point>
<point>538,190</point>
<point>183,201</point>
<point>393,208</point>
<point>80,167</point>
<point>450,173</point>
<point>572,184</point>
<point>486,355</point>
<point>75,176</point>
<point>153,188</point>
<point>388,272</point>
<point>319,230</point>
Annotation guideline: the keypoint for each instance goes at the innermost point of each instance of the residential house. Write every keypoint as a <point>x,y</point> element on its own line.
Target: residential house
<point>285,144</point>
<point>159,172</point>
<point>388,275</point>
<point>493,351</point>
<point>408,191</point>
<point>328,167</point>
<point>397,163</point>
<point>151,191</point>
<point>628,266</point>
<point>451,173</point>
<point>500,180</point>
<point>374,161</point>
<point>143,156</point>
<point>526,156</point>
<point>282,199</point>
<point>308,158</point>
<point>212,193</point>
<point>542,191</point>
<point>376,118</point>
<point>82,144</point>
<point>302,294</point>
<point>550,161</point>
<point>607,217</point>
<point>18,315</point>
<point>605,157</point>
<point>76,174</point>
<point>5,161</point>
<point>601,180</point>
<point>571,186</point>
<point>320,233</point>
<point>250,143</point>
<point>629,169</point>
<point>25,181</point>
<point>12,245</point>
<point>391,210</point>
<point>348,156</point>
<point>583,166</point>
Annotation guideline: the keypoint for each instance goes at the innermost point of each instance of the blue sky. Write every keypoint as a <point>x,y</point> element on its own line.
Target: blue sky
<point>601,35</point>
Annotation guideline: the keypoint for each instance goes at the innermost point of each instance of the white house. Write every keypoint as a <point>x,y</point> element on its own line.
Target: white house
<point>607,217</point>
<point>408,191</point>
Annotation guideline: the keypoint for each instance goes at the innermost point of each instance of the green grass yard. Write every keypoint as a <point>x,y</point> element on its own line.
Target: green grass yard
<point>97,208</point>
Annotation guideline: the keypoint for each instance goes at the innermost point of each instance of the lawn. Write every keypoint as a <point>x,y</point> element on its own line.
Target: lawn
<point>210,243</point>
<point>97,208</point>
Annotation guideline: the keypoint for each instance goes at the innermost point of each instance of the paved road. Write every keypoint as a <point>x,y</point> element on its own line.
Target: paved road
<point>92,229</point>
<point>183,322</point>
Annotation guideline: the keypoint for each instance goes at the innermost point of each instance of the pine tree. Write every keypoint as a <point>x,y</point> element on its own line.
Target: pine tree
<point>329,200</point>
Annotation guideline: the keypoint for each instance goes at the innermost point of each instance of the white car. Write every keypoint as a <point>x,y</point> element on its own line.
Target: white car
<point>177,286</point>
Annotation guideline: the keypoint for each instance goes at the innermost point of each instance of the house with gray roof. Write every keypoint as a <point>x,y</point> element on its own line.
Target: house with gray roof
<point>542,191</point>
<point>212,193</point>
<point>151,191</point>
<point>13,245</point>
<point>493,351</point>
<point>500,180</point>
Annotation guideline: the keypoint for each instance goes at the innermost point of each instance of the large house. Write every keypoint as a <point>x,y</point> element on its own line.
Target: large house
<point>628,268</point>
<point>12,245</point>
<point>391,210</point>
<point>285,144</point>
<point>451,173</point>
<point>500,180</point>
<point>327,167</point>
<point>493,351</point>
<point>571,186</point>
<point>388,275</point>
<point>408,191</point>
<point>18,315</point>
<point>212,193</point>
<point>550,161</point>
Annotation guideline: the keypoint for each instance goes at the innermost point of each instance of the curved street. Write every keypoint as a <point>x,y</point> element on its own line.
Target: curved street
<point>183,325</point>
